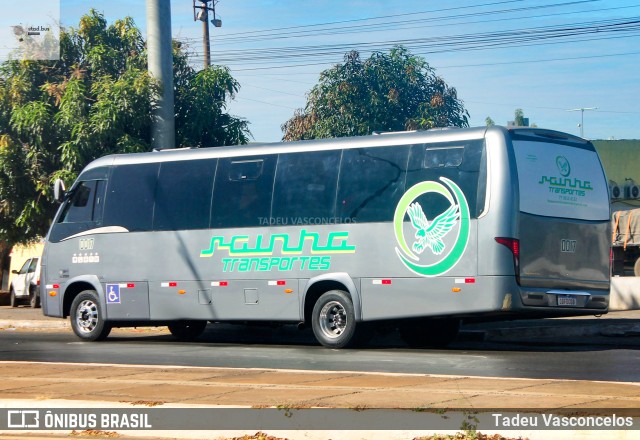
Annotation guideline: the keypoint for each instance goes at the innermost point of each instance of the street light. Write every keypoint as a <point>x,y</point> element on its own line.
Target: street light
<point>201,13</point>
<point>581,110</point>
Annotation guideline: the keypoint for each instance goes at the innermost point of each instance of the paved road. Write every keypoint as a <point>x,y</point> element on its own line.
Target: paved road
<point>288,348</point>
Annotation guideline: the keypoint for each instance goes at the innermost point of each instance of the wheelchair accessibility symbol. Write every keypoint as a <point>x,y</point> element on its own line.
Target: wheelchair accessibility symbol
<point>113,294</point>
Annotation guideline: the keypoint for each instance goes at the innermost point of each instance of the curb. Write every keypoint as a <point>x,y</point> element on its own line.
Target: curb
<point>32,323</point>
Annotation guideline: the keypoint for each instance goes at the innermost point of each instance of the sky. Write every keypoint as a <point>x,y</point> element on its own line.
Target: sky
<point>545,57</point>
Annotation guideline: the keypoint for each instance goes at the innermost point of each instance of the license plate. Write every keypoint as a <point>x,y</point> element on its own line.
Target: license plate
<point>567,301</point>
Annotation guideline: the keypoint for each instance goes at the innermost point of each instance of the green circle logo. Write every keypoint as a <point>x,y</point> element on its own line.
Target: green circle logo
<point>563,166</point>
<point>429,236</point>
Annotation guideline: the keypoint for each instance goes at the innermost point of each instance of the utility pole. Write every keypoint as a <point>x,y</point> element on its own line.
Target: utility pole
<point>201,12</point>
<point>160,60</point>
<point>581,110</point>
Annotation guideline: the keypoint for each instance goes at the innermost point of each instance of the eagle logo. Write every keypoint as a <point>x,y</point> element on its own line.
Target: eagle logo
<point>563,166</point>
<point>431,234</point>
<point>446,236</point>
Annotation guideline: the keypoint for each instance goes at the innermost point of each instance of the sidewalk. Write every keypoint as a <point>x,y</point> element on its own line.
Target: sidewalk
<point>57,385</point>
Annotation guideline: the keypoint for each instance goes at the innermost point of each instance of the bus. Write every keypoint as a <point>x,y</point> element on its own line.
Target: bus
<point>417,230</point>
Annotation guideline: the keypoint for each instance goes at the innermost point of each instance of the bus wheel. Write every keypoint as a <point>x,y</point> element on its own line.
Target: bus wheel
<point>438,333</point>
<point>86,317</point>
<point>333,320</point>
<point>187,330</point>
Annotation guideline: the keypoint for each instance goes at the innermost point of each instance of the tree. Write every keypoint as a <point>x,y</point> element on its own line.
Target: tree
<point>56,116</point>
<point>519,118</point>
<point>386,92</point>
<point>489,122</point>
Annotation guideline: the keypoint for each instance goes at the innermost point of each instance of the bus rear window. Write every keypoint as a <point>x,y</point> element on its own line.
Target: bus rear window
<point>559,180</point>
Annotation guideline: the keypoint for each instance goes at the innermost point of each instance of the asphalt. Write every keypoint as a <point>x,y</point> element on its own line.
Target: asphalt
<point>61,385</point>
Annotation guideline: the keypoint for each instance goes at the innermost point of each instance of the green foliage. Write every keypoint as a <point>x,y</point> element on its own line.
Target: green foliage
<point>518,115</point>
<point>98,99</point>
<point>387,92</point>
<point>200,106</point>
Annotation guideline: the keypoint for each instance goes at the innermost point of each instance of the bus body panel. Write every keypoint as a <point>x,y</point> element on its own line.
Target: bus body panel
<point>501,216</point>
<point>390,269</point>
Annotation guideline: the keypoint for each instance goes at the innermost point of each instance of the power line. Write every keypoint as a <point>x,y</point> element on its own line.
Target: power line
<point>576,32</point>
<point>276,33</point>
<point>563,30</point>
<point>545,60</point>
<point>376,18</point>
<point>387,28</point>
<point>400,25</point>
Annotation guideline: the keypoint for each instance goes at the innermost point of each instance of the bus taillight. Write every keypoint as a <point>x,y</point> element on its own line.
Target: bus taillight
<point>513,244</point>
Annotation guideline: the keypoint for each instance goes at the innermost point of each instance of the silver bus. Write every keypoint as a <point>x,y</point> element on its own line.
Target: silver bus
<point>416,229</point>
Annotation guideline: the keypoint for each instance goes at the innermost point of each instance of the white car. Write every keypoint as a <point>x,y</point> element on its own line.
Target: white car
<point>25,284</point>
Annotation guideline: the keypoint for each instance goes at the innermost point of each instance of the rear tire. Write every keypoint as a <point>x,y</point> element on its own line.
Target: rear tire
<point>434,333</point>
<point>34,298</point>
<point>187,330</point>
<point>87,317</point>
<point>333,320</point>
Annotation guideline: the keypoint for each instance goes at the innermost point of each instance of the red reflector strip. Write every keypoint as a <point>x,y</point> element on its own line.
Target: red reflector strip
<point>465,281</point>
<point>169,284</point>
<point>378,282</point>
<point>130,285</point>
<point>277,283</point>
<point>52,286</point>
<point>219,283</point>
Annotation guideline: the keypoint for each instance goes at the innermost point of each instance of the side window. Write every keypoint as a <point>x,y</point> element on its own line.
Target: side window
<point>81,212</point>
<point>371,183</point>
<point>183,195</point>
<point>130,196</point>
<point>460,162</point>
<point>305,187</point>
<point>24,268</point>
<point>98,203</point>
<point>242,192</point>
<point>80,206</point>
<point>33,265</point>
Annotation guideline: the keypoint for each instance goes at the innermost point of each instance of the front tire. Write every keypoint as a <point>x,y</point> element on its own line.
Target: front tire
<point>187,330</point>
<point>87,317</point>
<point>333,320</point>
<point>13,301</point>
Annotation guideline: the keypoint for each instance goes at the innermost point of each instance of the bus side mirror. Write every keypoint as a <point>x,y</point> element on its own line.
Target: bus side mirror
<point>58,190</point>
